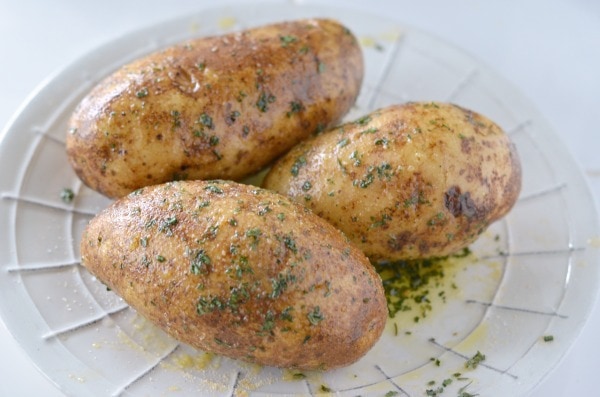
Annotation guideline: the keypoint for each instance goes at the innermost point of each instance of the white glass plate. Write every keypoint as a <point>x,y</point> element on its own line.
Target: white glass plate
<point>531,278</point>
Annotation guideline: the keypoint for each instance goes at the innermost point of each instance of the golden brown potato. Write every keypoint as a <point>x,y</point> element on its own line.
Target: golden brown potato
<point>240,271</point>
<point>405,182</point>
<point>214,108</point>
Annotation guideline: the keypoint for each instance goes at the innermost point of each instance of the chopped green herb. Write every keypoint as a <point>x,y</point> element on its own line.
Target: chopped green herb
<point>290,244</point>
<point>287,40</point>
<point>316,316</point>
<point>176,119</point>
<point>146,261</point>
<point>206,121</point>
<point>165,226</point>
<point>434,392</point>
<point>321,67</point>
<point>200,262</point>
<point>406,283</point>
<point>300,162</point>
<point>320,128</point>
<point>371,130</point>
<point>363,120</point>
<point>160,258</point>
<point>222,343</point>
<point>343,142</point>
<point>208,305</point>
<point>67,195</point>
<point>548,338</point>
<point>385,218</point>
<point>356,157</point>
<point>286,315</point>
<point>254,234</point>
<point>233,116</point>
<point>382,142</point>
<point>214,189</point>
<point>474,361</point>
<point>295,107</point>
<point>436,361</point>
<point>265,209</point>
<point>365,182</point>
<point>280,284</point>
<point>264,100</point>
<point>269,322</point>
<point>142,93</point>
<point>384,171</point>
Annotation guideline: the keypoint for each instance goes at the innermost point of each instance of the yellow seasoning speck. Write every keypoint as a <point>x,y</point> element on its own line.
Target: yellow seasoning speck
<point>227,22</point>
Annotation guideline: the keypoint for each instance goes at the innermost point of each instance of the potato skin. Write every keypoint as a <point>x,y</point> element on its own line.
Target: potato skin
<point>405,182</point>
<point>219,107</point>
<point>240,271</point>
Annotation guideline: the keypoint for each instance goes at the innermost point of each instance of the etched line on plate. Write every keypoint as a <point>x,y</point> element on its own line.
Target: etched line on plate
<point>519,127</point>
<point>541,193</point>
<point>389,379</point>
<point>517,309</point>
<point>362,386</point>
<point>47,204</point>
<point>395,48</point>
<point>51,138</point>
<point>310,391</point>
<point>466,358</point>
<point>145,372</point>
<point>236,381</point>
<point>534,253</point>
<point>462,85</point>
<point>30,267</point>
<point>85,323</point>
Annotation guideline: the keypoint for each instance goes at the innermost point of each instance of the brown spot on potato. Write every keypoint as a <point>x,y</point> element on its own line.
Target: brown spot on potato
<point>459,203</point>
<point>465,145</point>
<point>399,241</point>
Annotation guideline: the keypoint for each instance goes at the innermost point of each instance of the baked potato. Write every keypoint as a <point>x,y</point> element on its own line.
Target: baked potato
<point>220,107</point>
<point>239,271</point>
<point>405,182</point>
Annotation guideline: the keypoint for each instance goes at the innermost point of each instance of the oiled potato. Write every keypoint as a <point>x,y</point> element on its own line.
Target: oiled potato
<point>214,108</point>
<point>240,271</point>
<point>405,182</point>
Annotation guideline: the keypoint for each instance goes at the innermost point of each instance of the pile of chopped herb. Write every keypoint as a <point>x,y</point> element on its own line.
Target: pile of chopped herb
<point>406,284</point>
<point>409,285</point>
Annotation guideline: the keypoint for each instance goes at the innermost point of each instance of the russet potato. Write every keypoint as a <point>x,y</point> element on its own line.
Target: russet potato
<point>405,182</point>
<point>218,107</point>
<point>239,271</point>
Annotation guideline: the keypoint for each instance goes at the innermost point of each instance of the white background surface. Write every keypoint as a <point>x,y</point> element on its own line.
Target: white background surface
<point>548,49</point>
